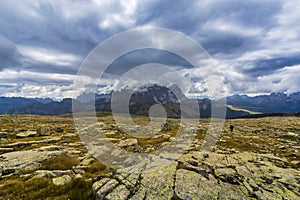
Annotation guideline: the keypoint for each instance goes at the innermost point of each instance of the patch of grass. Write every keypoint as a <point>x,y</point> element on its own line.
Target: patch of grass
<point>144,142</point>
<point>244,110</point>
<point>61,162</point>
<point>171,128</point>
<point>43,188</point>
<point>79,189</point>
<point>96,167</point>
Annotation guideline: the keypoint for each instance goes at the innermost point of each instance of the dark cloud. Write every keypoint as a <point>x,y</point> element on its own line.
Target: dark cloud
<point>230,44</point>
<point>269,66</point>
<point>220,26</point>
<point>139,57</point>
<point>44,42</point>
<point>9,56</point>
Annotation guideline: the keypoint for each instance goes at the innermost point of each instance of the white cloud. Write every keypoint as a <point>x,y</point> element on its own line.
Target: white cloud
<point>53,36</point>
<point>47,56</point>
<point>36,84</point>
<point>7,76</point>
<point>42,91</point>
<point>284,80</point>
<point>125,18</point>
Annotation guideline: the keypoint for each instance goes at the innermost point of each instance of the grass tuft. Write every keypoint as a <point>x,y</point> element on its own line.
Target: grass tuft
<point>96,167</point>
<point>43,188</point>
<point>61,162</point>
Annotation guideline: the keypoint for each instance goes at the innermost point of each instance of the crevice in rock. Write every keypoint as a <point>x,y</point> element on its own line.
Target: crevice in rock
<point>202,172</point>
<point>218,196</point>
<point>135,186</point>
<point>288,186</point>
<point>264,188</point>
<point>146,194</point>
<point>8,171</point>
<point>175,196</point>
<point>235,179</point>
<point>108,191</point>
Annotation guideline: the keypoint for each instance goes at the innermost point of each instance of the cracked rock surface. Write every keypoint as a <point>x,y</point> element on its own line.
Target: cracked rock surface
<point>260,159</point>
<point>218,176</point>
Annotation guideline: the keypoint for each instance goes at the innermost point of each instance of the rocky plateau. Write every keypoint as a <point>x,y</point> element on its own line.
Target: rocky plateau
<point>42,157</point>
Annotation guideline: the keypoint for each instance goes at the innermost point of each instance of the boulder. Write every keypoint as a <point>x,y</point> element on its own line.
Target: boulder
<point>44,173</point>
<point>43,131</point>
<point>128,142</point>
<point>50,148</point>
<point>27,134</point>
<point>62,180</point>
<point>25,160</point>
<point>78,176</point>
<point>78,170</point>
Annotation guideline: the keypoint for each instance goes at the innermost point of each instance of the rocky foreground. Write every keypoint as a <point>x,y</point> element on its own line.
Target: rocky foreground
<point>42,157</point>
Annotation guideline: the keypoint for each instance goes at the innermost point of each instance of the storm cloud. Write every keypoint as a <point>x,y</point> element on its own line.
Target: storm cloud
<point>254,44</point>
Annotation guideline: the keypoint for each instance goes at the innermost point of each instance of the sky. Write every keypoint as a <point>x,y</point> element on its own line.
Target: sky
<point>255,45</point>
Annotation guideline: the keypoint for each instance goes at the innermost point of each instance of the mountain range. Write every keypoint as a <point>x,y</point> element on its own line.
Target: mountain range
<point>142,99</point>
<point>273,103</point>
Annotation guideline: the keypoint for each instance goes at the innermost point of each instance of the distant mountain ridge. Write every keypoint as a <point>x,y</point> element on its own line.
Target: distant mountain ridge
<point>141,100</point>
<point>9,104</point>
<point>273,103</point>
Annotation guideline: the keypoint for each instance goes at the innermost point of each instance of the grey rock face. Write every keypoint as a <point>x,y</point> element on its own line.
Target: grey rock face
<point>62,180</point>
<point>128,142</point>
<point>207,176</point>
<point>27,134</point>
<point>245,165</point>
<point>24,160</point>
<point>43,131</point>
<point>106,189</point>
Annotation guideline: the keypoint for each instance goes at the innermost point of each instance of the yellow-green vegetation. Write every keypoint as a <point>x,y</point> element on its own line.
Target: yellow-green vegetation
<point>169,130</point>
<point>17,188</point>
<point>97,169</point>
<point>243,110</point>
<point>276,136</point>
<point>31,187</point>
<point>61,162</point>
